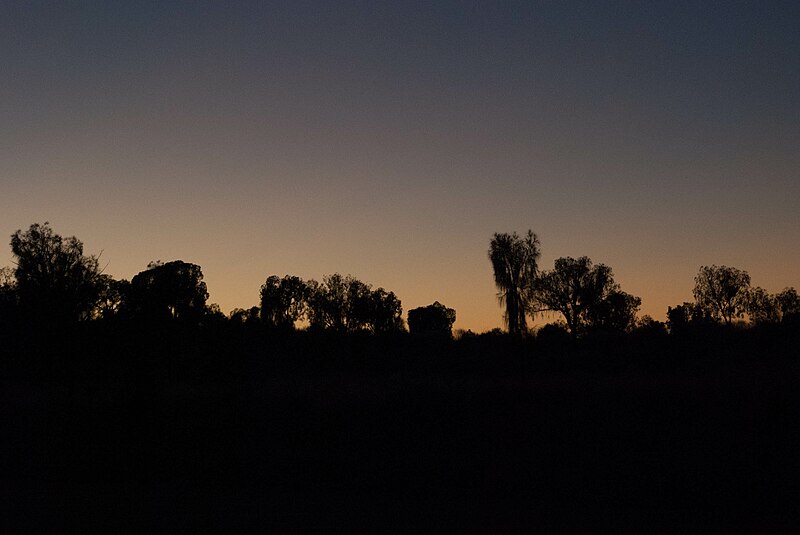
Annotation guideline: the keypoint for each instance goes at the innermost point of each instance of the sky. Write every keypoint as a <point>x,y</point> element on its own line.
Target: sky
<point>391,140</point>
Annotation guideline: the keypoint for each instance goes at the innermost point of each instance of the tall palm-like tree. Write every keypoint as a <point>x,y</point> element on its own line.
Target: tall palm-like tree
<point>515,262</point>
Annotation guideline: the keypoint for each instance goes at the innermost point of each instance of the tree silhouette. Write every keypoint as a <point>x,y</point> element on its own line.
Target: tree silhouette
<point>586,295</point>
<point>346,304</point>
<point>434,319</point>
<point>763,307</point>
<point>357,305</point>
<point>615,313</point>
<point>283,301</point>
<point>174,290</point>
<point>514,261</point>
<point>53,277</point>
<point>788,303</point>
<point>722,292</point>
<point>386,314</point>
<point>327,303</point>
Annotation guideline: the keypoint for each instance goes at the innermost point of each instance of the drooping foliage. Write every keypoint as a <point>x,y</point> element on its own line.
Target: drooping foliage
<point>283,301</point>
<point>328,303</point>
<point>515,263</point>
<point>346,304</point>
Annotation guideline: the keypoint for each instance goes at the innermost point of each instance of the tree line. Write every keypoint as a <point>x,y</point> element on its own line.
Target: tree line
<point>54,281</point>
<point>588,299</point>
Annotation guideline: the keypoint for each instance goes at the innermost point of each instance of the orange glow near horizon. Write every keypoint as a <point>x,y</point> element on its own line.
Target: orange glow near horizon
<point>390,143</point>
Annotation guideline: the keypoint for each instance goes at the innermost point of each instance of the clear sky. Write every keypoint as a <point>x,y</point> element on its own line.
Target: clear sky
<point>390,140</point>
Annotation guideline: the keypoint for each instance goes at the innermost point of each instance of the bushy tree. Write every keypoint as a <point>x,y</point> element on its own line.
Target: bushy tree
<point>763,307</point>
<point>386,312</point>
<point>358,305</point>
<point>515,263</point>
<point>174,290</point>
<point>585,294</point>
<point>54,279</point>
<point>346,304</point>
<point>435,319</point>
<point>788,304</point>
<point>615,313</point>
<point>722,292</point>
<point>328,303</point>
<point>283,301</point>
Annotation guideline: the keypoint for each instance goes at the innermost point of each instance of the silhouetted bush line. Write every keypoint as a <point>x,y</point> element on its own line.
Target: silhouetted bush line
<point>54,283</point>
<point>57,302</point>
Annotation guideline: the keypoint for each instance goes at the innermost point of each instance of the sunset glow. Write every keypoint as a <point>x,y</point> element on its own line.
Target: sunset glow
<point>391,140</point>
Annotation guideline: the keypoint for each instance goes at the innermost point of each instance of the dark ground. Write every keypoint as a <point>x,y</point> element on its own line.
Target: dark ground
<point>241,432</point>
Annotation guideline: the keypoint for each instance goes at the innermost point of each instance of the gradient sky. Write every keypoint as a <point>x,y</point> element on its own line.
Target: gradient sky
<point>390,140</point>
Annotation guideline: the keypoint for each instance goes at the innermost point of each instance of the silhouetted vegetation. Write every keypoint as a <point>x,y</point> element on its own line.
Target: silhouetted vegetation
<point>345,304</point>
<point>141,400</point>
<point>53,277</point>
<point>284,301</point>
<point>586,295</point>
<point>722,292</point>
<point>434,319</point>
<point>515,263</point>
<point>765,308</point>
<point>171,291</point>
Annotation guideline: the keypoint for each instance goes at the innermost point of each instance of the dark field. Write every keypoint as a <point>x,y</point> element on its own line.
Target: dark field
<point>191,432</point>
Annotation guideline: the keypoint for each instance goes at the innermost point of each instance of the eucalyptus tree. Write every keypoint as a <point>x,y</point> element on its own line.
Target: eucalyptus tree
<point>171,291</point>
<point>515,263</point>
<point>763,307</point>
<point>328,303</point>
<point>722,291</point>
<point>346,304</point>
<point>788,303</point>
<point>586,295</point>
<point>283,301</point>
<point>386,312</point>
<point>54,279</point>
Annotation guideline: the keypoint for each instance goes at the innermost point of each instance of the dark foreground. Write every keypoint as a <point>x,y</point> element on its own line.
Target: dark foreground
<point>250,433</point>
